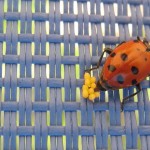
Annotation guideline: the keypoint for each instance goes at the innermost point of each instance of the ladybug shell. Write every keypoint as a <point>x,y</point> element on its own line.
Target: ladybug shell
<point>127,65</point>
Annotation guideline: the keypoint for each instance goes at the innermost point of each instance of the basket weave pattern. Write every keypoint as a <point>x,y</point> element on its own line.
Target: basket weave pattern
<point>45,46</point>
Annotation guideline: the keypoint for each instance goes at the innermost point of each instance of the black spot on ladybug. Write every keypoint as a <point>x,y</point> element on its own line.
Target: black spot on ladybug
<point>135,41</point>
<point>120,79</point>
<point>124,57</point>
<point>134,82</point>
<point>113,54</point>
<point>134,70</point>
<point>111,68</point>
<point>145,59</point>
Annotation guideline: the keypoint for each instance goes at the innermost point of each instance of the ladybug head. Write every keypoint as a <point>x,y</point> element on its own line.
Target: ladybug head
<point>99,87</point>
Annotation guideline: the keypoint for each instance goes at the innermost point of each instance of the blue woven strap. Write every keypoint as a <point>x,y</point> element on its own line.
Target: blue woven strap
<point>45,46</point>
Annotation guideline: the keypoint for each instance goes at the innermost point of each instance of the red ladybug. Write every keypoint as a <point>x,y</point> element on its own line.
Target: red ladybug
<point>127,65</point>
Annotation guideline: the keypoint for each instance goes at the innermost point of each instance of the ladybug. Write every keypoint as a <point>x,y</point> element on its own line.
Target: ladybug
<point>127,65</point>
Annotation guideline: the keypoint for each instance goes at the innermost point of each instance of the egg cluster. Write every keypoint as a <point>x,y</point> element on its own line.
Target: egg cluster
<point>88,87</point>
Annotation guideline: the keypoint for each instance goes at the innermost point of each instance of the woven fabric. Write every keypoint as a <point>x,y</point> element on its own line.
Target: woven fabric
<point>45,46</point>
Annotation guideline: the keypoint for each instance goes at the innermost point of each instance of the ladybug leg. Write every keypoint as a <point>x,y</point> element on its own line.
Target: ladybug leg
<point>127,98</point>
<point>145,42</point>
<point>107,50</point>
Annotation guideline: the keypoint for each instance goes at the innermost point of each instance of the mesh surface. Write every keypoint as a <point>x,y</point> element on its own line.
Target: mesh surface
<point>44,48</point>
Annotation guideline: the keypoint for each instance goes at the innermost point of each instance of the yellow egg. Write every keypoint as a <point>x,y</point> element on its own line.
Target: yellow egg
<point>93,79</point>
<point>97,94</point>
<point>93,85</point>
<point>87,75</point>
<point>84,87</point>
<point>85,93</point>
<point>91,90</point>
<point>87,82</point>
<point>92,97</point>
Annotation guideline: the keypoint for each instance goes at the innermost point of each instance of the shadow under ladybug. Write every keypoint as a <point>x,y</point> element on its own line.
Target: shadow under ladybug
<point>126,65</point>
